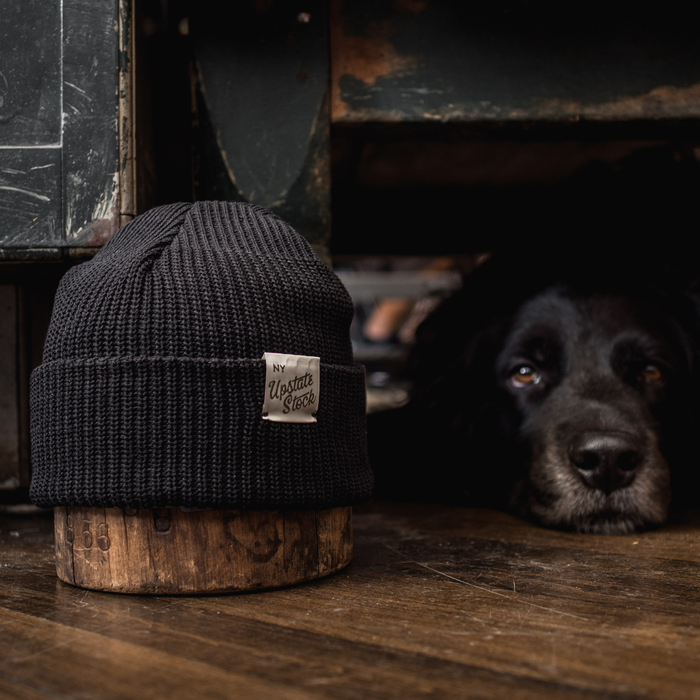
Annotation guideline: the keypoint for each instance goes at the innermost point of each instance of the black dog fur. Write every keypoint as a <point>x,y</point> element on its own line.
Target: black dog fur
<point>565,391</point>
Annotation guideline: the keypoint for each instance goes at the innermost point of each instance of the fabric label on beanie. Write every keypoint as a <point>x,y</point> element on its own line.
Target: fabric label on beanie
<point>292,385</point>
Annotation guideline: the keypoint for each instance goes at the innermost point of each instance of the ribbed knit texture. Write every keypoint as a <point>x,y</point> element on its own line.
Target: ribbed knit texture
<point>151,389</point>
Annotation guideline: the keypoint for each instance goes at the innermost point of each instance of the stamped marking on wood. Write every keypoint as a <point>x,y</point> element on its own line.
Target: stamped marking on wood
<point>87,535</point>
<point>164,550</point>
<point>103,536</point>
<point>70,532</point>
<point>162,520</point>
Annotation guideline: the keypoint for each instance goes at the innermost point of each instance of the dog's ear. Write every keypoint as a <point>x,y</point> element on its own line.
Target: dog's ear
<point>430,449</point>
<point>449,332</point>
<point>422,450</point>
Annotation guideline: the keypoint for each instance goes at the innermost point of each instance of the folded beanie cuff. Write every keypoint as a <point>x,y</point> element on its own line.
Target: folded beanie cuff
<point>148,431</point>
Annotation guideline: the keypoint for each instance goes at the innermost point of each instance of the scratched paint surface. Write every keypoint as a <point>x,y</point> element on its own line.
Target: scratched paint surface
<point>91,155</point>
<point>30,73</point>
<point>59,159</point>
<point>412,60</point>
<point>30,197</point>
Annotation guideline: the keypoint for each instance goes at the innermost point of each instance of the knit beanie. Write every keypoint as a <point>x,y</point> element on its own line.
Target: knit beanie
<point>201,359</point>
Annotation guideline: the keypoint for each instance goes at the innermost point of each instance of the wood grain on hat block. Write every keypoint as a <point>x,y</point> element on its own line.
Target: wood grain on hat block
<point>171,551</point>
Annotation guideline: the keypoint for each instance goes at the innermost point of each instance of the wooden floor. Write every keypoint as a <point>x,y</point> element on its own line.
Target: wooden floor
<point>438,603</point>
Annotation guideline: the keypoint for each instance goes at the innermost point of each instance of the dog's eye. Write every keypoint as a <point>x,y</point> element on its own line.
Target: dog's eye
<point>652,374</point>
<point>524,375</point>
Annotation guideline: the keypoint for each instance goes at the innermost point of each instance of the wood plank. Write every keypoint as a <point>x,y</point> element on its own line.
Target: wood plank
<point>592,628</point>
<point>322,664</point>
<point>678,539</point>
<point>427,608</point>
<point>13,691</point>
<point>47,656</point>
<point>318,664</point>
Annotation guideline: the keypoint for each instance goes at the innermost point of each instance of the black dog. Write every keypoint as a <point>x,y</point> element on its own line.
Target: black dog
<point>565,392</point>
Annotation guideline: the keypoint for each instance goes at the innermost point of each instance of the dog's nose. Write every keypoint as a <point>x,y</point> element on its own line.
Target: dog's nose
<point>606,460</point>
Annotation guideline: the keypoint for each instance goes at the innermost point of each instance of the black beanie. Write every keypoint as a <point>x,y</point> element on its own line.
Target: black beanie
<point>153,380</point>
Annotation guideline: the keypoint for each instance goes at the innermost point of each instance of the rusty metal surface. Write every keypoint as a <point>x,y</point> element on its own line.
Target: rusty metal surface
<point>436,60</point>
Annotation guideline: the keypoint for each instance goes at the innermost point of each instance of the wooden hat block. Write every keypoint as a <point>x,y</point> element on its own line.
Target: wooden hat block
<point>174,551</point>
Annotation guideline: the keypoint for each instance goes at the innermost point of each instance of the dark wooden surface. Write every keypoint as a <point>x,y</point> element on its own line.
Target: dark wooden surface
<point>438,602</point>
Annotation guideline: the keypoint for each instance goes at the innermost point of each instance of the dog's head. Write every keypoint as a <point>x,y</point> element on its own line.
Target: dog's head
<point>594,378</point>
<point>572,403</point>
